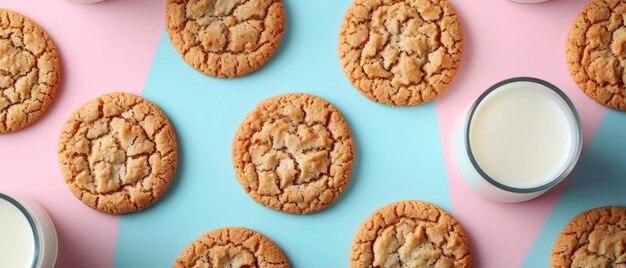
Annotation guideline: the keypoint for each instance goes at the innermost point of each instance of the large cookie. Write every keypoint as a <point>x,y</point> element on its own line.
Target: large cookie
<point>232,247</point>
<point>596,52</point>
<point>118,153</point>
<point>410,234</point>
<point>29,71</point>
<point>400,52</point>
<point>293,153</point>
<point>594,238</point>
<point>225,38</point>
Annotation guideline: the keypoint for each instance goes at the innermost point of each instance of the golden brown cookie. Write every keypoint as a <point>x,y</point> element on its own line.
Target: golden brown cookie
<point>118,153</point>
<point>232,247</point>
<point>410,234</point>
<point>29,71</point>
<point>400,52</point>
<point>293,153</point>
<point>596,52</point>
<point>594,238</point>
<point>225,38</point>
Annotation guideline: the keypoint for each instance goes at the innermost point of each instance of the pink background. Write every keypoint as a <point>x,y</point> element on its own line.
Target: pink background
<point>116,59</point>
<point>508,40</point>
<point>503,40</point>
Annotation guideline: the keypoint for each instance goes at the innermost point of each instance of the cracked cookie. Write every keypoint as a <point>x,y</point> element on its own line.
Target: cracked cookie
<point>596,52</point>
<point>232,247</point>
<point>29,71</point>
<point>594,238</point>
<point>410,234</point>
<point>225,38</point>
<point>400,52</point>
<point>293,153</point>
<point>118,153</point>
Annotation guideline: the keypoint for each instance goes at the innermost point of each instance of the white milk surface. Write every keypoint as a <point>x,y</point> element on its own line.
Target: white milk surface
<point>17,245</point>
<point>521,136</point>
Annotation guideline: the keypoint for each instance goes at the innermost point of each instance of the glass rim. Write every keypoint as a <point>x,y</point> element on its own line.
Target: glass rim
<point>572,162</point>
<point>31,222</point>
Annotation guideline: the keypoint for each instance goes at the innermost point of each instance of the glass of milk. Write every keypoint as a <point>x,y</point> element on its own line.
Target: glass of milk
<point>520,138</point>
<point>27,235</point>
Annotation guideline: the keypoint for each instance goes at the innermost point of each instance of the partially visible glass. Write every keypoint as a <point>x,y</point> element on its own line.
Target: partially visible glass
<point>44,234</point>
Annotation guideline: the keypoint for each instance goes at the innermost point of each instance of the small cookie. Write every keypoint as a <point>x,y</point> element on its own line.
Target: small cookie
<point>400,52</point>
<point>293,153</point>
<point>118,153</point>
<point>232,247</point>
<point>225,38</point>
<point>29,71</point>
<point>410,234</point>
<point>596,52</point>
<point>594,238</point>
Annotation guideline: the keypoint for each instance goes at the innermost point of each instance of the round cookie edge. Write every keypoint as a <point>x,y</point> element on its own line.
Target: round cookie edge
<point>57,67</point>
<point>392,206</point>
<point>170,172</point>
<point>189,248</point>
<point>237,151</point>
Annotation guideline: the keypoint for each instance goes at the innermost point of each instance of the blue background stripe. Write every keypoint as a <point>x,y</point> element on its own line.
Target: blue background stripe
<point>599,180</point>
<point>398,151</point>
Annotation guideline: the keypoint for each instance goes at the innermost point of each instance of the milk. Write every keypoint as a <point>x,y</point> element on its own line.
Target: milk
<point>17,241</point>
<point>521,136</point>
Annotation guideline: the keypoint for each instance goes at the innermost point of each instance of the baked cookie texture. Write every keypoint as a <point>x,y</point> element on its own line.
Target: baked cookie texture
<point>232,247</point>
<point>118,153</point>
<point>596,52</point>
<point>594,238</point>
<point>293,153</point>
<point>400,52</point>
<point>410,234</point>
<point>225,38</point>
<point>30,71</point>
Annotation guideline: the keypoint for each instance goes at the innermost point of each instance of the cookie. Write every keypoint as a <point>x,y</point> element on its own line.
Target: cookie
<point>225,38</point>
<point>594,238</point>
<point>596,52</point>
<point>400,52</point>
<point>293,153</point>
<point>29,71</point>
<point>232,247</point>
<point>118,153</point>
<point>410,234</point>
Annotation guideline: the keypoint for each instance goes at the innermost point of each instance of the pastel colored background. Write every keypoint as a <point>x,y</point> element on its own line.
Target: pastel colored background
<point>401,153</point>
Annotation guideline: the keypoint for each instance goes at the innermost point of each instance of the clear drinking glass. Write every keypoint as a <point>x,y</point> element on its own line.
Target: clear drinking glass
<point>467,165</point>
<point>44,253</point>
